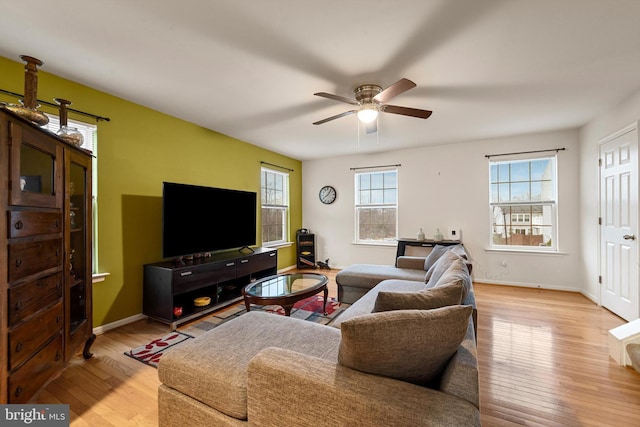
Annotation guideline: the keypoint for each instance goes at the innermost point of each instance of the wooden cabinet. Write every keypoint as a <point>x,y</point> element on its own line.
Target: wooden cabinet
<point>306,248</point>
<point>77,268</point>
<point>221,277</point>
<point>45,256</point>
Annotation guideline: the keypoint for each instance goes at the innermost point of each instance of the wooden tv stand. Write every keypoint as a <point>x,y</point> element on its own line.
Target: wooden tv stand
<point>221,277</point>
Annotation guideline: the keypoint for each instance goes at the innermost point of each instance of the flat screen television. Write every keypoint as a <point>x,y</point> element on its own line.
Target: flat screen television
<point>198,219</point>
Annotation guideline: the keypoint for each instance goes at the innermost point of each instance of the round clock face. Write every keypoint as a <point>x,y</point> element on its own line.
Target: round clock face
<point>327,194</point>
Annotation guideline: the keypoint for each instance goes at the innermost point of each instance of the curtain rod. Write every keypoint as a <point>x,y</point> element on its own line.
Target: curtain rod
<point>277,166</point>
<point>374,167</point>
<point>50,104</point>
<point>525,152</point>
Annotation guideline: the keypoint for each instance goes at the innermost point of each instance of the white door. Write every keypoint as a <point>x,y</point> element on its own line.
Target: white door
<point>619,223</point>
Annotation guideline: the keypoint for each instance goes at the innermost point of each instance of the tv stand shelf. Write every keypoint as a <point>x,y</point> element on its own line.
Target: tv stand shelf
<point>169,285</point>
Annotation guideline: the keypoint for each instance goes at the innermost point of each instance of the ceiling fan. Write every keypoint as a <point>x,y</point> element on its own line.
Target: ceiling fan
<point>371,99</point>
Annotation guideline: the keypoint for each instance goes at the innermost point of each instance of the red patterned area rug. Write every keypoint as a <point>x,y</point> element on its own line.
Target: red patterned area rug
<point>152,352</point>
<point>309,309</point>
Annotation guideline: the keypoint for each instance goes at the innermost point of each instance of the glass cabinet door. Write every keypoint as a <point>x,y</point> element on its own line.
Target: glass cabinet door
<point>78,226</point>
<point>36,169</point>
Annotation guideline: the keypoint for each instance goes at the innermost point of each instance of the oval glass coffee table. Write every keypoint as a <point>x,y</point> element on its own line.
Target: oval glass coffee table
<point>285,290</point>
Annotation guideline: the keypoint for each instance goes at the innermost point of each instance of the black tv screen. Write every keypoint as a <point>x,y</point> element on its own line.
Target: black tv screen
<point>198,219</point>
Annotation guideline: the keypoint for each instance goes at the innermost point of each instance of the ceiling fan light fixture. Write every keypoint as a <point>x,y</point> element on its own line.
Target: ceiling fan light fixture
<point>371,100</point>
<point>367,114</point>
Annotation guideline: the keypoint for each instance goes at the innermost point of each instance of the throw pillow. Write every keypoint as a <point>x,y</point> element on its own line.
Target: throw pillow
<point>456,273</point>
<point>408,345</point>
<point>436,252</point>
<point>442,265</point>
<point>426,299</point>
<point>459,250</point>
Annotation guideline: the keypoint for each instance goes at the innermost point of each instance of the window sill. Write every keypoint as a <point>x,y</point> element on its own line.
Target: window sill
<point>99,277</point>
<point>524,251</point>
<point>279,245</point>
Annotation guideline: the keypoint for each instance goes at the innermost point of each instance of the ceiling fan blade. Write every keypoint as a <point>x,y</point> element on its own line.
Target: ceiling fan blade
<point>337,116</point>
<point>395,89</point>
<point>406,111</point>
<point>372,127</point>
<point>337,98</point>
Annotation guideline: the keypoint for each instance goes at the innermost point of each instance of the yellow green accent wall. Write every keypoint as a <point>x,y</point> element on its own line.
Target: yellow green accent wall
<point>138,150</point>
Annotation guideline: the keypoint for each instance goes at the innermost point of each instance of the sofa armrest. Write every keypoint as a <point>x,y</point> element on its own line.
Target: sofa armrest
<point>289,388</point>
<point>412,262</point>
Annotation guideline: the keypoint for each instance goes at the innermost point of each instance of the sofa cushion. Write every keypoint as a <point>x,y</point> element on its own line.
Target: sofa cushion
<point>425,299</point>
<point>438,250</point>
<point>369,275</point>
<point>365,304</point>
<point>409,345</point>
<point>450,268</point>
<point>212,368</point>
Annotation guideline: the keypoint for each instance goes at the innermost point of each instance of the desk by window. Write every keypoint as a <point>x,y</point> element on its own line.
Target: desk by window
<point>428,243</point>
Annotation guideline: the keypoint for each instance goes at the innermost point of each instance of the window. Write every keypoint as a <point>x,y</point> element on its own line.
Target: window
<point>90,139</point>
<point>376,204</point>
<point>523,203</point>
<point>88,131</point>
<point>274,191</point>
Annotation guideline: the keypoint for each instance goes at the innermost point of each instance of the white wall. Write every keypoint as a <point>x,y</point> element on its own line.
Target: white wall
<point>590,136</point>
<point>443,187</point>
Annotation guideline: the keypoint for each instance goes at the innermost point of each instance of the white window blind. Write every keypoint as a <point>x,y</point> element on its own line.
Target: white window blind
<point>89,131</point>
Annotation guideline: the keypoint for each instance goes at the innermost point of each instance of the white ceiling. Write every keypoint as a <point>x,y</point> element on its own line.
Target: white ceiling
<point>249,68</point>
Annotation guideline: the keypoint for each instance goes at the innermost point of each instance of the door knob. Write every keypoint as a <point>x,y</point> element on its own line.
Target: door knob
<point>629,237</point>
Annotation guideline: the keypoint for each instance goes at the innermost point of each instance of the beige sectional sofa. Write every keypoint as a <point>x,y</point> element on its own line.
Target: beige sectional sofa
<point>392,359</point>
<point>358,279</point>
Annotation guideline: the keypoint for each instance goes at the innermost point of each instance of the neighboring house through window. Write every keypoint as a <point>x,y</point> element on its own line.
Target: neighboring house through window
<point>274,191</point>
<point>523,203</point>
<point>376,206</point>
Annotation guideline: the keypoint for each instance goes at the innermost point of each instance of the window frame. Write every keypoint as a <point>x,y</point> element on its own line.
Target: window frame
<point>284,208</point>
<point>548,203</point>
<point>391,204</point>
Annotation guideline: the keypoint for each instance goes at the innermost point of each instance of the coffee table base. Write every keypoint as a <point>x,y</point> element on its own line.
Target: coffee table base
<point>285,302</point>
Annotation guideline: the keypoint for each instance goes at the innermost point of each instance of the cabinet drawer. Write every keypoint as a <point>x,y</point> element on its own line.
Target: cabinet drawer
<point>27,380</point>
<point>27,298</point>
<point>27,223</point>
<point>30,258</point>
<point>255,263</point>
<point>31,335</point>
<point>187,279</point>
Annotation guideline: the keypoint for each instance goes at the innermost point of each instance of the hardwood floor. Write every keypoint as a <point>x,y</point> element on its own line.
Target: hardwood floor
<point>543,359</point>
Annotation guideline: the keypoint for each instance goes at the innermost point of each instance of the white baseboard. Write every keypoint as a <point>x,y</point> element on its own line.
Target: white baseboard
<point>283,270</point>
<point>525,285</point>
<point>104,328</point>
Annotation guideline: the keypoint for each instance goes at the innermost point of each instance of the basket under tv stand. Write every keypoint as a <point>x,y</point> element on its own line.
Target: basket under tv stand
<point>168,286</point>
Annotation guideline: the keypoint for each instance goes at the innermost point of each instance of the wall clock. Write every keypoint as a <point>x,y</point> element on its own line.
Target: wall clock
<point>327,194</point>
